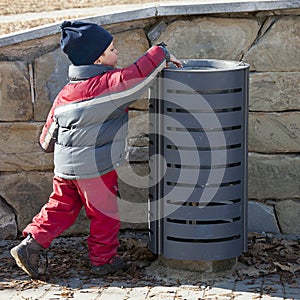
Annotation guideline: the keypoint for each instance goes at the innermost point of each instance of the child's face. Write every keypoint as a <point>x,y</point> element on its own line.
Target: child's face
<point>109,57</point>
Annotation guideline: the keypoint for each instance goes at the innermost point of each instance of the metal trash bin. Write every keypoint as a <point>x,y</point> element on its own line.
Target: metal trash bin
<point>198,161</point>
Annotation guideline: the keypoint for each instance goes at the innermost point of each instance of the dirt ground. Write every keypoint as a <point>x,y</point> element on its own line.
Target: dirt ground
<point>266,256</point>
<point>13,7</point>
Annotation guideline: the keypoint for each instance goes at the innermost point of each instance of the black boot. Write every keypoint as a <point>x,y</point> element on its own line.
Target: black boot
<point>26,255</point>
<point>114,265</point>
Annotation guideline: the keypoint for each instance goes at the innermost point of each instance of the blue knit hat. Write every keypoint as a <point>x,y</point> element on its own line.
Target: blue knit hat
<point>83,42</point>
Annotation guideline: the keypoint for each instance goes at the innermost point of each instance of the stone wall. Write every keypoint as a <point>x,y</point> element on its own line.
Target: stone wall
<point>33,70</point>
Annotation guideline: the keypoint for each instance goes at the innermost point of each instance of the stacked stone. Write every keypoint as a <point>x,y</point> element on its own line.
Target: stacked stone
<point>270,44</point>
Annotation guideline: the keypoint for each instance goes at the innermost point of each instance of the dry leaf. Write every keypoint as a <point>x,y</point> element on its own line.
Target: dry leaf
<point>292,268</point>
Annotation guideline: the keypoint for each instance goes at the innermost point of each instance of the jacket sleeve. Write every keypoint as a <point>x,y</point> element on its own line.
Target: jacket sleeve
<point>49,133</point>
<point>127,84</point>
<point>149,65</point>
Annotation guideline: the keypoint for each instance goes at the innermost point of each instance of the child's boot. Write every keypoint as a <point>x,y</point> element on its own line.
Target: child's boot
<point>114,265</point>
<point>26,255</point>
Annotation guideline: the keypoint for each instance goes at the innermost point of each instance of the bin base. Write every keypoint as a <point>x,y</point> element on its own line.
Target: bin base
<point>213,266</point>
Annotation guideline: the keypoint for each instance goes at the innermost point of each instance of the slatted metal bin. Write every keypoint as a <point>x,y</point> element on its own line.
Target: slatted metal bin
<point>198,161</point>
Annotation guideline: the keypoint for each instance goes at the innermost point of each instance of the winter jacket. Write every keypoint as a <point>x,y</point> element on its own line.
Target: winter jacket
<point>88,119</point>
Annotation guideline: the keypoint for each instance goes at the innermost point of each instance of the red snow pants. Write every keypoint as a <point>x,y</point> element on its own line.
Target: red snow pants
<point>99,198</point>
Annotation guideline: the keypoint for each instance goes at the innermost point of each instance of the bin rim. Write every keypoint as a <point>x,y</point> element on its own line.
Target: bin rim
<point>208,65</point>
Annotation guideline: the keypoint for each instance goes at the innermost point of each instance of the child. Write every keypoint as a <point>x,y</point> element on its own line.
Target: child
<point>87,124</point>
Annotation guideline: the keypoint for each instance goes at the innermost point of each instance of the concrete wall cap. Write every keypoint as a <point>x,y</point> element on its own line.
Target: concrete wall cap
<point>125,13</point>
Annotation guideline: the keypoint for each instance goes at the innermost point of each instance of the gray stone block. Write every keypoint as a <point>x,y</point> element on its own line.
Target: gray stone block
<point>139,141</point>
<point>274,91</point>
<point>8,225</point>
<point>140,104</point>
<point>15,97</point>
<point>205,37</point>
<point>274,132</point>
<point>274,176</point>
<point>156,31</point>
<point>261,218</point>
<point>51,74</point>
<point>25,192</point>
<point>138,154</point>
<point>20,149</point>
<point>138,124</point>
<point>288,212</point>
<point>278,49</point>
<point>131,45</point>
<point>133,187</point>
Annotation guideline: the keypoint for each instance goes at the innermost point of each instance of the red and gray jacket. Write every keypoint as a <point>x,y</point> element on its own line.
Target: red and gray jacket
<point>88,119</point>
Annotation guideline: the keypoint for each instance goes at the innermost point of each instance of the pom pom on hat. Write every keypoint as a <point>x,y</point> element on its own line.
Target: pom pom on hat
<point>83,42</point>
<point>65,24</point>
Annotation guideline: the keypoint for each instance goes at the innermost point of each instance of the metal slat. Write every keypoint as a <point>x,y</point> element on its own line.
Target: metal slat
<point>205,102</point>
<point>203,139</point>
<point>200,176</point>
<point>202,231</point>
<point>206,213</point>
<point>206,121</point>
<point>202,81</point>
<point>203,251</point>
<point>217,157</point>
<point>195,194</point>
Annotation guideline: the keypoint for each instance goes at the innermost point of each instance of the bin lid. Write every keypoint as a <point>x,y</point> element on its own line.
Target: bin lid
<point>208,65</point>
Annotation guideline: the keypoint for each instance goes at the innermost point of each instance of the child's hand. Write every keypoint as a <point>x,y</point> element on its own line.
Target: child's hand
<point>175,61</point>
